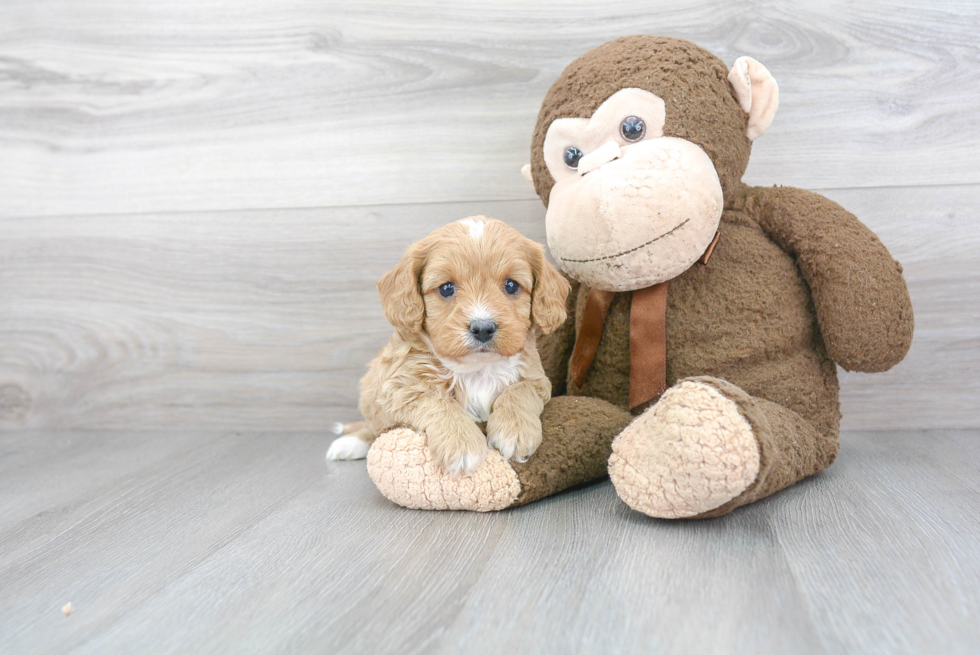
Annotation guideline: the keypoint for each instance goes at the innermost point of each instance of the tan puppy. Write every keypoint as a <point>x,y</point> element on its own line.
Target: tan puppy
<point>467,303</point>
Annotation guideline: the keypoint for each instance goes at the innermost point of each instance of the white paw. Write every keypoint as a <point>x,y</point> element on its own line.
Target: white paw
<point>348,448</point>
<point>466,463</point>
<point>504,446</point>
<point>504,438</point>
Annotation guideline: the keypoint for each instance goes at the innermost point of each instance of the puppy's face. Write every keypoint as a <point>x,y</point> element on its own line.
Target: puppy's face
<point>476,285</point>
<point>475,288</point>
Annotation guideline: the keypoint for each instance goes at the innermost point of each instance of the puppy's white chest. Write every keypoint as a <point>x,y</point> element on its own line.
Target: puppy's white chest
<point>478,385</point>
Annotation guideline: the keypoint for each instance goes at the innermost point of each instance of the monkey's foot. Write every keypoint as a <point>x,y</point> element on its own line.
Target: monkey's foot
<point>690,453</point>
<point>404,472</point>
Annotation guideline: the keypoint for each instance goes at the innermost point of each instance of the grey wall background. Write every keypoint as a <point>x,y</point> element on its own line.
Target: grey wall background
<point>196,198</point>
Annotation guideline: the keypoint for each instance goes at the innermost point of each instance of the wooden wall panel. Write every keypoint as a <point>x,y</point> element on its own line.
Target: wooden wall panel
<point>120,107</point>
<point>266,319</point>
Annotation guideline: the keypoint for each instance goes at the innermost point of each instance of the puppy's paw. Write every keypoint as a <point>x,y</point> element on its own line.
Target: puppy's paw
<point>467,462</point>
<point>348,448</point>
<point>516,434</point>
<point>459,449</point>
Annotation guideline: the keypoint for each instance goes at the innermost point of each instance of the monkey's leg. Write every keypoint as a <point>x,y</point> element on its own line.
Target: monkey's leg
<point>708,447</point>
<point>577,441</point>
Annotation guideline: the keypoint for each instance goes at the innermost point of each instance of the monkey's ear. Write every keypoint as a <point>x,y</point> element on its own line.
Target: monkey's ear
<point>549,294</point>
<point>399,290</point>
<point>526,172</point>
<point>757,93</point>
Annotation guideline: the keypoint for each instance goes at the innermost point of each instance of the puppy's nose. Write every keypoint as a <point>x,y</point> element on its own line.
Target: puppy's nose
<point>483,330</point>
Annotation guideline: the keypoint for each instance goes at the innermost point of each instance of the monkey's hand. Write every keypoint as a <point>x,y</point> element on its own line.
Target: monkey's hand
<point>861,300</point>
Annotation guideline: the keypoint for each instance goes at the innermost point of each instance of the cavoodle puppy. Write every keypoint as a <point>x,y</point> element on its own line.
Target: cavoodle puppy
<point>467,303</point>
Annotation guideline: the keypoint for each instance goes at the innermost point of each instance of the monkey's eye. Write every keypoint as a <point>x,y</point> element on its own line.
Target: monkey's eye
<point>633,128</point>
<point>447,290</point>
<point>572,155</point>
<point>512,287</point>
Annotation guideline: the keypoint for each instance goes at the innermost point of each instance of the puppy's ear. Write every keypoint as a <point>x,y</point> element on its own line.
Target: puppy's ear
<point>549,294</point>
<point>399,290</point>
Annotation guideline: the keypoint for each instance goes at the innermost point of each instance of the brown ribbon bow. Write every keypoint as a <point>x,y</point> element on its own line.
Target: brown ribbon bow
<point>648,337</point>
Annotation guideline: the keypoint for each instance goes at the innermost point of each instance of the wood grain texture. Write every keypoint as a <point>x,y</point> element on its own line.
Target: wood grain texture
<point>120,107</point>
<point>225,320</point>
<point>248,543</point>
<point>266,319</point>
<point>119,543</point>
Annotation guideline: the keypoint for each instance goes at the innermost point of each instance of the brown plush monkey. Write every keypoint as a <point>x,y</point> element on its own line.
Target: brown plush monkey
<point>698,361</point>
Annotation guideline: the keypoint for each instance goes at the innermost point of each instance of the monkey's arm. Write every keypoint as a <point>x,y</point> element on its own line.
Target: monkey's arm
<point>861,300</point>
<point>555,349</point>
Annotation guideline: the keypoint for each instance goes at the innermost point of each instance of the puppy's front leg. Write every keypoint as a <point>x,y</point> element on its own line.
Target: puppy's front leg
<point>454,439</point>
<point>514,427</point>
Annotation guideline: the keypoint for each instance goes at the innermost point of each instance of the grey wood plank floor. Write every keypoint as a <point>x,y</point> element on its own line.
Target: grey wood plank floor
<point>227,542</point>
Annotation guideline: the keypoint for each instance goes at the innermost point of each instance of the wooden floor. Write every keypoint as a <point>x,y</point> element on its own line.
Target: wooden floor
<point>196,200</point>
<point>179,542</point>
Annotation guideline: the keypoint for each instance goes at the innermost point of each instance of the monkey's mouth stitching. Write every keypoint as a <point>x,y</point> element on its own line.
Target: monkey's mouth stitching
<point>626,252</point>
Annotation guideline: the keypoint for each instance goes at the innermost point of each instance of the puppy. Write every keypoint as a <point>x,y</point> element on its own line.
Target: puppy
<point>467,303</point>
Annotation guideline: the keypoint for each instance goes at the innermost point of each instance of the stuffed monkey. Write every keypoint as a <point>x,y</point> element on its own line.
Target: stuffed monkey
<point>706,320</point>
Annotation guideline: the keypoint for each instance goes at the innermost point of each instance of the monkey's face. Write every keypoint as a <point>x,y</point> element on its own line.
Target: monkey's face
<point>630,207</point>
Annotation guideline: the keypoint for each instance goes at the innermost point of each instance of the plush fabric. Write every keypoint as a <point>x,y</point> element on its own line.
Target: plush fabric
<point>601,230</point>
<point>403,470</point>
<point>859,295</point>
<point>745,317</point>
<point>576,443</point>
<point>578,434</point>
<point>790,448</point>
<point>757,93</point>
<point>690,453</point>
<point>795,285</point>
<point>700,102</point>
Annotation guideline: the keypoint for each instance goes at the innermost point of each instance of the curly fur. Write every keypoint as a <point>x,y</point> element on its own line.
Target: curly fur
<point>434,376</point>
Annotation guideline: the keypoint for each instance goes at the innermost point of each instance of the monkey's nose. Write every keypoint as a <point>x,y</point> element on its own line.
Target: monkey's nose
<point>483,330</point>
<point>603,155</point>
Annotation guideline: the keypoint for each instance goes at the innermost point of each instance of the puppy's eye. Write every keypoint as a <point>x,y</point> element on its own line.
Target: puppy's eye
<point>512,287</point>
<point>447,290</point>
<point>571,156</point>
<point>633,128</point>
